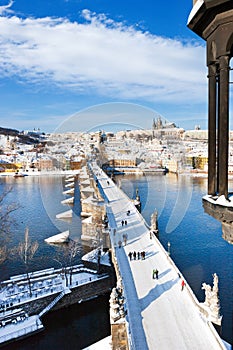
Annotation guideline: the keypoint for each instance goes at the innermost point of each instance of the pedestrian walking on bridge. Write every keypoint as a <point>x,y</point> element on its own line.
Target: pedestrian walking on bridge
<point>155,274</point>
<point>182,284</point>
<point>125,238</point>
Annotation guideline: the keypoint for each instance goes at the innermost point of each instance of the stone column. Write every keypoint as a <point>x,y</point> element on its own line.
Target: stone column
<point>223,127</point>
<point>212,186</point>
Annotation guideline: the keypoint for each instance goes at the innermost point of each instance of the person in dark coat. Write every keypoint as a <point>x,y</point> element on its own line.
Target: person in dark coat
<point>125,238</point>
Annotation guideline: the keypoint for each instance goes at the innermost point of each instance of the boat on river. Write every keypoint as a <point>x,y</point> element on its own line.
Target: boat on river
<point>20,174</point>
<point>62,237</point>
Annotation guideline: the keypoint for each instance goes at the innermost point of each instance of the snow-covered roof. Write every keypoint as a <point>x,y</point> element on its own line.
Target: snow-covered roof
<point>195,9</point>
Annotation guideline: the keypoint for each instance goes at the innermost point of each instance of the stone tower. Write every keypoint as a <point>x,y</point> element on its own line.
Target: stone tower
<point>212,20</point>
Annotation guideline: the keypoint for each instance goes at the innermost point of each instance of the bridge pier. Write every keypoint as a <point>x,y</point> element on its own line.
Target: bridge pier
<point>119,336</point>
<point>221,213</point>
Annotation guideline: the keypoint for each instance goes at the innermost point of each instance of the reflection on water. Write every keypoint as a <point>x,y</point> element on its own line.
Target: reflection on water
<point>40,200</point>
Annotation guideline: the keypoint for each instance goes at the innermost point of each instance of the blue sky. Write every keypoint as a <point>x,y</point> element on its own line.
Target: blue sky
<point>75,60</point>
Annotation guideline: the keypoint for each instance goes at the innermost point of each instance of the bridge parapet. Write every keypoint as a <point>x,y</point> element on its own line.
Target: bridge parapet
<point>118,312</point>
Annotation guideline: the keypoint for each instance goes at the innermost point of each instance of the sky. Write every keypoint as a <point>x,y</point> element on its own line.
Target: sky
<point>76,60</point>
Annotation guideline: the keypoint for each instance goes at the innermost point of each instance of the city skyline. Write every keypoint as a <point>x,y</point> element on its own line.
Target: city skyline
<point>78,58</point>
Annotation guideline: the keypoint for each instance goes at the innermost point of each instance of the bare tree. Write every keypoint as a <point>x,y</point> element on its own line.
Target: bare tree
<point>26,251</point>
<point>73,250</point>
<point>66,256</point>
<point>5,212</point>
<point>6,221</point>
<point>3,254</point>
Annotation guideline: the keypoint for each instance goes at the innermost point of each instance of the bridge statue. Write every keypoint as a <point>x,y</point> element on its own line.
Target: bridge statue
<point>154,222</point>
<point>211,303</point>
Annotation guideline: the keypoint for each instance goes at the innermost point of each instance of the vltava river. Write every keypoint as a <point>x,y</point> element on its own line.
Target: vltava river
<point>195,243</point>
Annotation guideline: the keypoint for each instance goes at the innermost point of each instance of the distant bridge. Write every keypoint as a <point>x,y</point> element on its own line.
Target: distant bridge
<point>159,314</point>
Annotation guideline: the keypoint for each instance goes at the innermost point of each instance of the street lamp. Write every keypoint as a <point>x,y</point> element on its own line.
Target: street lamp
<point>168,248</point>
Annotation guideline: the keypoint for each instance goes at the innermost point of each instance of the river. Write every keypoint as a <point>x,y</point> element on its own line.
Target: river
<point>196,246</point>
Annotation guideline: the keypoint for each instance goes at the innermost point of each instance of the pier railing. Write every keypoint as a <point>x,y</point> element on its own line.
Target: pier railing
<point>54,302</point>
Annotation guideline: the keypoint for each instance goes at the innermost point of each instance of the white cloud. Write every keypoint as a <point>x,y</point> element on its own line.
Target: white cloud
<point>5,8</point>
<point>102,56</point>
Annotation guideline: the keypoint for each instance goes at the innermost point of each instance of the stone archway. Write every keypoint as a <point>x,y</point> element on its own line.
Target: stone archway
<point>213,21</point>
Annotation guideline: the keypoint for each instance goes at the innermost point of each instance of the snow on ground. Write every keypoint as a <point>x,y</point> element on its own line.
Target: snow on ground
<point>221,200</point>
<point>93,257</point>
<point>160,315</point>
<point>16,290</point>
<point>21,328</point>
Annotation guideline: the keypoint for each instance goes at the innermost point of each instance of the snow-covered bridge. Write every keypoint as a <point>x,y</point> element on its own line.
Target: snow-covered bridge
<point>160,315</point>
